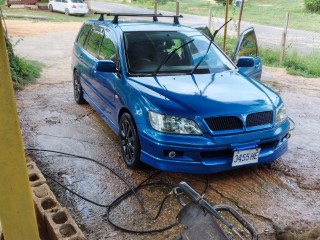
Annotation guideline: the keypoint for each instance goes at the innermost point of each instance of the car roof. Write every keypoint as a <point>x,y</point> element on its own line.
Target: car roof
<point>140,26</point>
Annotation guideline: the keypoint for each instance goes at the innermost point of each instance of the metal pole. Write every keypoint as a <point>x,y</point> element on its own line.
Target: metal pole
<point>17,212</point>
<point>240,17</point>
<point>284,37</point>
<point>226,27</point>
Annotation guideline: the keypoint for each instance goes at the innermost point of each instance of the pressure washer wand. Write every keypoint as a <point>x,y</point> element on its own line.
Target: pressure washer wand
<point>196,198</point>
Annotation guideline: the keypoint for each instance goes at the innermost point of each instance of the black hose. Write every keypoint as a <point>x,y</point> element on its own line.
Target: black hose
<point>132,191</point>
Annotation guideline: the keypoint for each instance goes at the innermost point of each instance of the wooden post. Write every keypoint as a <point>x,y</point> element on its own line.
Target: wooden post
<point>226,27</point>
<point>177,8</point>
<point>240,17</point>
<point>284,37</point>
<point>210,19</point>
<point>155,7</point>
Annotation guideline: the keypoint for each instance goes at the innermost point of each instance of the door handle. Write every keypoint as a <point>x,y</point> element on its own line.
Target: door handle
<point>81,56</point>
<point>93,71</point>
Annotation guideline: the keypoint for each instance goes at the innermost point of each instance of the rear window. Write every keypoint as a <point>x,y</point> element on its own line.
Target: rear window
<point>77,1</point>
<point>84,32</point>
<point>93,44</point>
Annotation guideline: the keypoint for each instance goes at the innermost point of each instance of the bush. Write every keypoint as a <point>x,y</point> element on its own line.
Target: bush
<point>312,5</point>
<point>1,2</point>
<point>22,70</point>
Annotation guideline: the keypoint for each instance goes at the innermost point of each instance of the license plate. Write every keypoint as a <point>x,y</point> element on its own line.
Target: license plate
<point>245,157</point>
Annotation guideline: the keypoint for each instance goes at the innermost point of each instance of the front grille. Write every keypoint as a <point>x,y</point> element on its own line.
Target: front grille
<point>261,118</point>
<point>224,123</point>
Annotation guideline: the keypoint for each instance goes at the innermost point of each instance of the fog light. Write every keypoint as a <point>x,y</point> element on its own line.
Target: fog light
<point>172,154</point>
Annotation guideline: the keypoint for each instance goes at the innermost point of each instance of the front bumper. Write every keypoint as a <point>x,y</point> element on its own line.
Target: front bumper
<point>209,154</point>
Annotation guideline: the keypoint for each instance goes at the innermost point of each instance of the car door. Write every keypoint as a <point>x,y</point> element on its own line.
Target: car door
<point>106,81</point>
<point>64,5</point>
<point>247,46</point>
<point>56,5</point>
<point>88,60</point>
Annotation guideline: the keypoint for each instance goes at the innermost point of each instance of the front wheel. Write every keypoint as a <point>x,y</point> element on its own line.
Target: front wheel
<point>67,12</point>
<point>50,8</point>
<point>130,144</point>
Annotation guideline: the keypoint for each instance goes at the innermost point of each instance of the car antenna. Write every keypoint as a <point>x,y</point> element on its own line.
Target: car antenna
<point>211,41</point>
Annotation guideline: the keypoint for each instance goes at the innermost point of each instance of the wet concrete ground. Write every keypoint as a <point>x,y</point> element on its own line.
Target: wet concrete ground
<point>284,193</point>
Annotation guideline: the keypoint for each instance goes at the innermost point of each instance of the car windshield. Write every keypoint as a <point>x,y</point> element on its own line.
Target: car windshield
<point>147,53</point>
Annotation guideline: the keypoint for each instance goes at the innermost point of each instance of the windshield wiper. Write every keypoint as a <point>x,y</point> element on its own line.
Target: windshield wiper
<point>165,60</point>
<point>211,41</point>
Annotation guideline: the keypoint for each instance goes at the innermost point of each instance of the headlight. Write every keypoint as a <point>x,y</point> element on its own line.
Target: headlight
<point>171,124</point>
<point>281,114</point>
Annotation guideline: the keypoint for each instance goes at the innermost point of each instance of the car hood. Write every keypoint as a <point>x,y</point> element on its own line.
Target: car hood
<point>225,93</point>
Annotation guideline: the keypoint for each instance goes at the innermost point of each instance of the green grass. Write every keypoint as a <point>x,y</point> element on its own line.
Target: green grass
<point>22,70</point>
<point>1,2</point>
<point>295,64</point>
<point>269,12</point>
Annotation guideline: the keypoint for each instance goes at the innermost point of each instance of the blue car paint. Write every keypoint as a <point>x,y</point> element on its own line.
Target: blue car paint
<point>255,71</point>
<point>194,97</point>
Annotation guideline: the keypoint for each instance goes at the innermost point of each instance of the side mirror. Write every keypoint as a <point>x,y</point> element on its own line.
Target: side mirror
<point>106,66</point>
<point>245,62</point>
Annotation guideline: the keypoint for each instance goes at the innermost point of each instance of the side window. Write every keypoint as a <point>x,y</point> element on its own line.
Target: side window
<point>107,50</point>
<point>93,43</point>
<point>84,34</point>
<point>248,46</point>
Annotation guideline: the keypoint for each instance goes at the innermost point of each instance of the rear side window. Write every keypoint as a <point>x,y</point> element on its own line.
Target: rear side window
<point>107,50</point>
<point>84,34</point>
<point>93,43</point>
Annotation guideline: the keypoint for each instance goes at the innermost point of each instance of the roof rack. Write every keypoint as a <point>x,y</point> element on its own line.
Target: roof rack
<point>154,16</point>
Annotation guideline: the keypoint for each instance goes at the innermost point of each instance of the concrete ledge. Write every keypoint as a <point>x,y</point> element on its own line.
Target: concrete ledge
<point>35,176</point>
<point>60,225</point>
<point>52,218</point>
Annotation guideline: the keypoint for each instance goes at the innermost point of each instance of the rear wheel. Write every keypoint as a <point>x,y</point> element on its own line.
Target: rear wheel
<point>77,89</point>
<point>130,144</point>
<point>50,8</point>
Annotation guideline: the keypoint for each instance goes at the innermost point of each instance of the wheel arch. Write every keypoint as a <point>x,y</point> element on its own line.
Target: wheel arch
<point>126,110</point>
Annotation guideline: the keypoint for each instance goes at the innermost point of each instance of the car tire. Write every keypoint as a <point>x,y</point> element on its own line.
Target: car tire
<point>66,12</point>
<point>50,8</point>
<point>129,141</point>
<point>77,89</point>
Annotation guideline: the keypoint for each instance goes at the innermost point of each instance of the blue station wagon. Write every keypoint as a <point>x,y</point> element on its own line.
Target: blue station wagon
<point>177,102</point>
